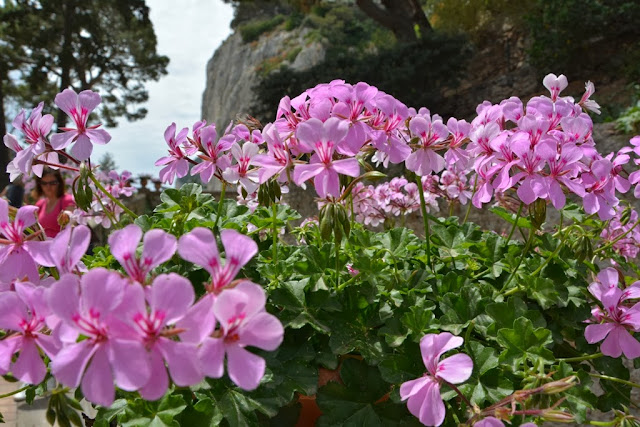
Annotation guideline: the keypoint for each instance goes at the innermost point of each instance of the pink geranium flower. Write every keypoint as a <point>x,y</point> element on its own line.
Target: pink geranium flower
<point>614,322</point>
<point>555,84</point>
<point>323,138</point>
<point>176,162</point>
<point>199,247</point>
<point>424,393</point>
<point>24,312</point>
<point>88,307</point>
<point>167,301</point>
<point>16,260</point>
<point>79,107</point>
<point>66,250</point>
<point>243,322</point>
<point>158,246</point>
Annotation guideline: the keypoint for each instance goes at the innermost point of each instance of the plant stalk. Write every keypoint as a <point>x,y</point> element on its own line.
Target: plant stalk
<point>425,218</point>
<point>220,203</point>
<point>515,224</point>
<point>110,196</point>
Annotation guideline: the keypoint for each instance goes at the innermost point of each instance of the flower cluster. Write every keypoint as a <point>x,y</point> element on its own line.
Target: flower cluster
<point>138,330</point>
<point>539,150</point>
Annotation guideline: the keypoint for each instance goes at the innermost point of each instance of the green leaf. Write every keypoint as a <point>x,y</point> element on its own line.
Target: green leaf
<point>523,341</point>
<point>484,358</point>
<point>511,217</point>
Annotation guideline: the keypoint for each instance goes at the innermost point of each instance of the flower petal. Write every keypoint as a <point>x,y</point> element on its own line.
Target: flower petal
<point>245,368</point>
<point>455,369</point>
<point>29,367</point>
<point>97,384</point>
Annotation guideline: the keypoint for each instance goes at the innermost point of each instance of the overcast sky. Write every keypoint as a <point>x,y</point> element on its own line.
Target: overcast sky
<point>188,32</point>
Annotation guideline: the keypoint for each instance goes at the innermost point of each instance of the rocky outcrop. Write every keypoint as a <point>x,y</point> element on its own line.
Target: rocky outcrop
<point>236,66</point>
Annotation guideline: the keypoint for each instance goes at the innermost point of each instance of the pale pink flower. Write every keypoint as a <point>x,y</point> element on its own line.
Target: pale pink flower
<point>158,246</point>
<point>423,393</point>
<point>79,107</point>
<point>240,172</point>
<point>615,321</point>
<point>199,247</point>
<point>322,138</point>
<point>24,312</point>
<point>65,250</point>
<point>213,159</point>
<point>88,307</point>
<point>243,322</point>
<point>168,299</point>
<point>16,249</point>
<point>555,84</point>
<point>179,149</point>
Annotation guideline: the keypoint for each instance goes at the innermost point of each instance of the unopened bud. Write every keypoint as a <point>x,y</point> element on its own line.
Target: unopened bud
<point>625,217</point>
<point>557,416</point>
<point>538,212</point>
<point>560,385</point>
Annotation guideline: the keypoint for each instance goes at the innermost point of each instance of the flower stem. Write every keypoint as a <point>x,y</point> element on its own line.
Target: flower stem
<point>466,215</point>
<point>2,396</point>
<point>581,358</point>
<point>532,233</point>
<point>274,209</point>
<point>553,255</point>
<point>515,223</point>
<point>614,379</point>
<point>337,264</point>
<point>462,396</point>
<point>110,196</point>
<point>425,218</point>
<point>220,203</point>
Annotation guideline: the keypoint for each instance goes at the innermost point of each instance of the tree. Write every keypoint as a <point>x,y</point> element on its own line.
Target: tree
<point>400,16</point>
<point>104,45</point>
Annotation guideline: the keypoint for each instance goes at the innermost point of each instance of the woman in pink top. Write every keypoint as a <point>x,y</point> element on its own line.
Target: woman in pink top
<point>54,201</point>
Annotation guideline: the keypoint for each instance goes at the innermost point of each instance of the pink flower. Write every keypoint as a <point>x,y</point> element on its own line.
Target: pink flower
<point>323,138</point>
<point>176,161</point>
<point>24,311</point>
<point>494,422</point>
<point>199,247</point>
<point>212,159</point>
<point>240,172</point>
<point>169,298</point>
<point>431,133</point>
<point>158,246</point>
<point>79,107</point>
<point>35,129</point>
<point>615,321</point>
<point>424,393</point>
<point>587,103</point>
<point>243,322</point>
<point>555,84</point>
<point>16,260</point>
<point>88,307</point>
<point>66,250</point>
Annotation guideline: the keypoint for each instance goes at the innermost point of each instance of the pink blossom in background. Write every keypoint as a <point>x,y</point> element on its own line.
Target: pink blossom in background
<point>423,394</point>
<point>179,150</point>
<point>79,107</point>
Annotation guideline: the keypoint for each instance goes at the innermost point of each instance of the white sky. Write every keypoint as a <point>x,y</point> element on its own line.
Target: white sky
<point>188,32</point>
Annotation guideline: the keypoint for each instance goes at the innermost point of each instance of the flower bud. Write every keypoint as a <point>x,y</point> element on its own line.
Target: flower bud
<point>538,211</point>
<point>560,385</point>
<point>557,416</point>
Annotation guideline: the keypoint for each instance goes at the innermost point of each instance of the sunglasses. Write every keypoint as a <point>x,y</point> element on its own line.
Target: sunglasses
<point>51,183</point>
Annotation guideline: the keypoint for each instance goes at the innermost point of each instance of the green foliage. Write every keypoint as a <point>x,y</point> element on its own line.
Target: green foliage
<point>629,120</point>
<point>252,30</point>
<point>368,326</point>
<point>357,49</point>
<point>568,34</point>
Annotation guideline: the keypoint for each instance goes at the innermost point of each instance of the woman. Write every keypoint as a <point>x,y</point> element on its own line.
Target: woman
<point>54,201</point>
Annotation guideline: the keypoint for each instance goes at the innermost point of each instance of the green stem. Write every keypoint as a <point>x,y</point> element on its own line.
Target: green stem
<point>515,223</point>
<point>614,241</point>
<point>604,423</point>
<point>532,233</point>
<point>108,213</point>
<point>561,220</point>
<point>337,264</point>
<point>425,218</point>
<point>614,379</point>
<point>274,209</point>
<point>352,279</point>
<point>580,358</point>
<point>220,204</point>
<point>110,196</point>
<point>553,255</point>
<point>466,215</point>
<point>2,396</point>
